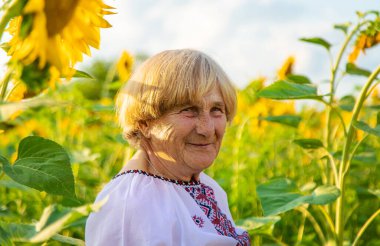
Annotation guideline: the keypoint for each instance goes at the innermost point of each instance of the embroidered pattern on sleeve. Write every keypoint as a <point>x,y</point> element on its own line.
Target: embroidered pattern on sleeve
<point>205,198</point>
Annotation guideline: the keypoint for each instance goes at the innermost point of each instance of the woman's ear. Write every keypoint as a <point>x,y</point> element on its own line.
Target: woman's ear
<point>144,128</point>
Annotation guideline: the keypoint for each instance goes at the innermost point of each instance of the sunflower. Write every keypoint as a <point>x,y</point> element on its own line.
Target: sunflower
<point>286,69</point>
<point>56,33</point>
<point>124,66</point>
<point>365,40</point>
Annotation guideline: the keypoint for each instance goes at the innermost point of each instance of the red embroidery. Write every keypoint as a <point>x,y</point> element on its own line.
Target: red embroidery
<point>205,198</point>
<point>198,221</point>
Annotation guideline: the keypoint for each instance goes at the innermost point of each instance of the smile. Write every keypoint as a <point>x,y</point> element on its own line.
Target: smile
<point>200,145</point>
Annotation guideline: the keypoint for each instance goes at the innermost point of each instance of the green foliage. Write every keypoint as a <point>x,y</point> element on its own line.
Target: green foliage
<point>259,225</point>
<point>343,27</point>
<point>284,90</point>
<point>347,103</point>
<point>43,165</point>
<point>281,195</point>
<point>289,120</point>
<point>365,127</point>
<point>309,143</point>
<point>53,219</point>
<point>299,79</point>
<point>351,151</point>
<point>82,74</point>
<point>355,70</point>
<point>317,41</point>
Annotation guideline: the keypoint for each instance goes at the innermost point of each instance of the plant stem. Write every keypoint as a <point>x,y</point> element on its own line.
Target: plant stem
<point>314,223</point>
<point>333,167</point>
<point>328,220</point>
<point>344,166</point>
<point>334,72</point>
<point>364,227</point>
<point>4,84</point>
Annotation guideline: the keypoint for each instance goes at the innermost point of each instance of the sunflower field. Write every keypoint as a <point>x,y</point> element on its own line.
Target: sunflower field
<point>294,175</point>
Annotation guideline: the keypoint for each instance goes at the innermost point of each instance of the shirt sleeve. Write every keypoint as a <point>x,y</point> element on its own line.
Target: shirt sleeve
<point>134,214</point>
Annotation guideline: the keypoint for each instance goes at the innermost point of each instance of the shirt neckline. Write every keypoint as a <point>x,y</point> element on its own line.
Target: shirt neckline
<point>177,182</point>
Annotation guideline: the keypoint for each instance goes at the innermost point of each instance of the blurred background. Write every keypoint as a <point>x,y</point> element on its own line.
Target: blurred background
<point>257,43</point>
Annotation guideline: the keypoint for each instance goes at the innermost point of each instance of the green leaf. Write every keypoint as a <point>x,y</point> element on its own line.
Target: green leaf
<point>343,27</point>
<point>281,195</point>
<point>366,191</point>
<point>374,107</point>
<point>283,90</point>
<point>68,240</point>
<point>309,143</point>
<point>14,185</point>
<point>289,120</point>
<point>4,237</point>
<point>318,41</point>
<point>347,103</point>
<point>365,158</point>
<point>35,78</point>
<point>82,74</point>
<point>355,70</point>
<point>18,232</point>
<point>43,165</point>
<point>298,79</point>
<point>53,220</point>
<point>5,47</point>
<point>258,225</point>
<point>364,127</point>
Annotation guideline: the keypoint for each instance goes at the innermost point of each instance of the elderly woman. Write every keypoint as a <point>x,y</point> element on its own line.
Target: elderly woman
<point>174,110</point>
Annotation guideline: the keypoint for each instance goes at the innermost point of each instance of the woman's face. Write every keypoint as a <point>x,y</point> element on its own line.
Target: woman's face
<point>187,139</point>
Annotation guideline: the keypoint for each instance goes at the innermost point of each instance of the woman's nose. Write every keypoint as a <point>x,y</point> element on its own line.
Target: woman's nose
<point>205,125</point>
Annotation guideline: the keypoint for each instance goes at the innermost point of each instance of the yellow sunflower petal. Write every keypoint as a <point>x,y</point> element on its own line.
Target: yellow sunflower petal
<point>33,6</point>
<point>287,68</point>
<point>61,33</point>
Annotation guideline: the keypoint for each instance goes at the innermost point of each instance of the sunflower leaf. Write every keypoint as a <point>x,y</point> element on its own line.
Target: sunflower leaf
<point>366,128</point>
<point>43,165</point>
<point>298,79</point>
<point>355,70</point>
<point>283,90</point>
<point>289,120</point>
<point>259,225</point>
<point>53,219</point>
<point>5,238</point>
<point>347,103</point>
<point>343,27</point>
<point>317,41</point>
<point>309,143</point>
<point>82,74</point>
<point>281,195</point>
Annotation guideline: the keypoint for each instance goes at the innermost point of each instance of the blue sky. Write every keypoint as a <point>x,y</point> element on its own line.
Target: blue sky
<point>249,38</point>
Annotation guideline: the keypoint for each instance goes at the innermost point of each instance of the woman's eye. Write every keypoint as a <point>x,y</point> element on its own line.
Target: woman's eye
<point>189,111</point>
<point>217,109</point>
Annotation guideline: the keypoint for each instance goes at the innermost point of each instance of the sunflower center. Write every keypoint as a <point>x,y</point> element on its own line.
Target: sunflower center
<point>58,14</point>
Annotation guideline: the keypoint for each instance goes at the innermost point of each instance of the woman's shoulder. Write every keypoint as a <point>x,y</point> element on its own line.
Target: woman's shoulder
<point>134,203</point>
<point>130,184</point>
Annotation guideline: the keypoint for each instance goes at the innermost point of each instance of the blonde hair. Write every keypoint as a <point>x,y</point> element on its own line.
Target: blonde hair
<point>169,79</point>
